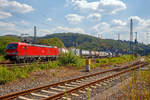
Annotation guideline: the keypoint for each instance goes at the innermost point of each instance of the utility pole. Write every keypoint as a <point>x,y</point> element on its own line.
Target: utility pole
<point>147,38</point>
<point>118,36</point>
<point>136,44</point>
<point>24,37</point>
<point>99,35</point>
<point>119,51</point>
<point>34,34</point>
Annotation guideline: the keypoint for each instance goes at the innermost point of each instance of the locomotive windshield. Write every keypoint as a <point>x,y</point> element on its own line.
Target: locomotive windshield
<point>12,46</point>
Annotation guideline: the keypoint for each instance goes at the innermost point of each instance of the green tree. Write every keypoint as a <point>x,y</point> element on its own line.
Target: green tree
<point>4,40</point>
<point>43,41</point>
<point>52,42</point>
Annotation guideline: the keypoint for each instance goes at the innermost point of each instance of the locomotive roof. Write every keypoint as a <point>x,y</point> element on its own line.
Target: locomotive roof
<point>21,43</point>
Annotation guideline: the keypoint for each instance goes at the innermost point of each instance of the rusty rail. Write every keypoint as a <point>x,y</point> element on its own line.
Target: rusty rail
<point>57,96</point>
<point>14,95</point>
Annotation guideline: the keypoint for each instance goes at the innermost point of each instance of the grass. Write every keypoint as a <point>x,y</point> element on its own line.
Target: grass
<point>139,87</point>
<point>2,58</point>
<point>88,93</point>
<point>7,75</point>
<point>69,59</point>
<point>113,61</point>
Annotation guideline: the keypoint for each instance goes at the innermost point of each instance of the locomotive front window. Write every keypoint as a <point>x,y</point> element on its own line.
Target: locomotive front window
<point>12,46</point>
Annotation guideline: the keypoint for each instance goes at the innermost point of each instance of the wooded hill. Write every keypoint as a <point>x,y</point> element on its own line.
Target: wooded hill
<point>88,42</point>
<point>81,41</point>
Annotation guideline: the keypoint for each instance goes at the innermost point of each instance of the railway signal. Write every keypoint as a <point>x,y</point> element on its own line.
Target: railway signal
<point>88,61</point>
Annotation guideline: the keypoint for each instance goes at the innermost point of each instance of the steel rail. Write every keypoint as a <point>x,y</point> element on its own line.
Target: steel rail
<point>57,96</point>
<point>16,94</point>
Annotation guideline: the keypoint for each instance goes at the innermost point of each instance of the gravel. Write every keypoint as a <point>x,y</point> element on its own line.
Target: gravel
<point>46,77</point>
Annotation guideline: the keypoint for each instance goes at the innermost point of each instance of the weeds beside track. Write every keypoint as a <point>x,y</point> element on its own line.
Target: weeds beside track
<point>76,81</point>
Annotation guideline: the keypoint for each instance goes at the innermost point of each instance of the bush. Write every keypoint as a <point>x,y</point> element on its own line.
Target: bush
<point>50,64</point>
<point>20,72</point>
<point>4,42</point>
<point>71,59</point>
<point>6,75</point>
<point>2,58</point>
<point>138,88</point>
<point>115,60</point>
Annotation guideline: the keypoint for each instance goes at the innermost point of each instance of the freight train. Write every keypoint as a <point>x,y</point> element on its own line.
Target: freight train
<point>20,52</point>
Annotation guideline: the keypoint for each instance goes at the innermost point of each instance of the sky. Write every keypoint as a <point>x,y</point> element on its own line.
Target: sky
<point>108,18</point>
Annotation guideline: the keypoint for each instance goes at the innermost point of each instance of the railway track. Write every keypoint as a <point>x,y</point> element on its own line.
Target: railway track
<point>73,87</point>
<point>10,65</point>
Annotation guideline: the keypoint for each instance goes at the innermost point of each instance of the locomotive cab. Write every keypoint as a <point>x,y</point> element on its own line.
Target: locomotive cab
<point>12,51</point>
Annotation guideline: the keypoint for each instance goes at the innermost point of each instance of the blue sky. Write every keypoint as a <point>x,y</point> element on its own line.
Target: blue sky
<point>105,17</point>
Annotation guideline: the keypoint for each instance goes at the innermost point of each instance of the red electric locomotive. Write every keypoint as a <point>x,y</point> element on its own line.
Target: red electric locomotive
<point>19,52</point>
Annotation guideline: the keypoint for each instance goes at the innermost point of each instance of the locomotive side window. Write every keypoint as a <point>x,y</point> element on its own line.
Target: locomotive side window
<point>12,46</point>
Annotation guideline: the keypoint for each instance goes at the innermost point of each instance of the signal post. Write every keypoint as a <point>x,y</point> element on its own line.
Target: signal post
<point>88,62</point>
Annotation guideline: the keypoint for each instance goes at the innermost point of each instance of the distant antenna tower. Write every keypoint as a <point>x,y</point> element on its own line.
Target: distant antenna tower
<point>135,37</point>
<point>147,37</point>
<point>131,34</point>
<point>34,34</point>
<point>131,30</point>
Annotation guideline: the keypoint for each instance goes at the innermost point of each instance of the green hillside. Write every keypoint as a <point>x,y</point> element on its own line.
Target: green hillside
<point>81,41</point>
<point>88,42</point>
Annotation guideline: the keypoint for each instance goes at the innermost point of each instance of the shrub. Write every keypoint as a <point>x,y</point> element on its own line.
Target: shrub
<point>2,58</point>
<point>71,59</point>
<point>138,88</point>
<point>6,75</point>
<point>115,60</point>
<point>20,72</point>
<point>52,64</point>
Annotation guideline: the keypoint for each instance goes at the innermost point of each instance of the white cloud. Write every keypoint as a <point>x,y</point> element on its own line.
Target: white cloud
<point>61,29</point>
<point>140,25</point>
<point>140,22</point>
<point>14,6</point>
<point>4,15</point>
<point>22,23</point>
<point>94,17</point>
<point>25,23</point>
<point>6,26</point>
<point>83,5</point>
<point>20,31</point>
<point>111,6</point>
<point>74,18</point>
<point>119,22</point>
<point>102,28</point>
<point>49,19</point>
<point>102,6</point>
